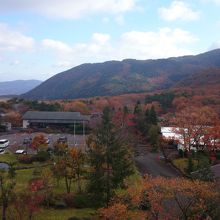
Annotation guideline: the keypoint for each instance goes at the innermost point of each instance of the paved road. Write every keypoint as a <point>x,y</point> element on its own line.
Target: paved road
<point>150,163</point>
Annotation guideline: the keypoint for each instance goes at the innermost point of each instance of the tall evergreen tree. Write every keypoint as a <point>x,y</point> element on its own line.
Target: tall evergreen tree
<point>153,116</point>
<point>137,108</point>
<point>109,158</point>
<point>125,109</point>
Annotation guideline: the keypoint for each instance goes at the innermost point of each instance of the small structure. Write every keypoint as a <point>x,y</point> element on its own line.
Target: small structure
<point>45,119</point>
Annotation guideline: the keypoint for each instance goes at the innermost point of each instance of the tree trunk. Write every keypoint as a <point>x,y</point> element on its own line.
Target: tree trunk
<point>30,216</point>
<point>68,184</point>
<point>4,212</point>
<point>79,183</point>
<point>108,182</point>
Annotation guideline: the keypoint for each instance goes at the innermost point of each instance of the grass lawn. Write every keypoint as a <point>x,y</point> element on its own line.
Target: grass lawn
<point>64,214</point>
<point>182,163</point>
<point>61,187</point>
<point>22,178</point>
<point>8,158</point>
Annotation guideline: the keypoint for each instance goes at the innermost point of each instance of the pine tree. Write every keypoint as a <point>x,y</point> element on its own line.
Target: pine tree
<point>190,165</point>
<point>125,109</point>
<point>153,136</point>
<point>153,116</point>
<point>137,108</point>
<point>109,158</point>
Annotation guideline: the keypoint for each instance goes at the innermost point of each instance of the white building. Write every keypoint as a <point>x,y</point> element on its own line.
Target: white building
<point>170,133</point>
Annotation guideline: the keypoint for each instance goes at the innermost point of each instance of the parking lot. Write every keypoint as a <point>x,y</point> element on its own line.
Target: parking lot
<point>16,140</point>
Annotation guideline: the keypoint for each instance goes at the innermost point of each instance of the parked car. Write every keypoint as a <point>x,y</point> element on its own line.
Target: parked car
<point>27,140</point>
<point>21,152</point>
<point>62,139</point>
<point>4,143</point>
<point>2,151</point>
<point>161,157</point>
<point>50,150</point>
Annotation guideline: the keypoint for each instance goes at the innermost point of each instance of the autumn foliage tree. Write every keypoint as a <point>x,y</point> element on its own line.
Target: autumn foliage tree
<point>161,198</point>
<point>39,142</point>
<point>77,161</point>
<point>69,165</point>
<point>27,203</point>
<point>212,138</point>
<point>193,124</point>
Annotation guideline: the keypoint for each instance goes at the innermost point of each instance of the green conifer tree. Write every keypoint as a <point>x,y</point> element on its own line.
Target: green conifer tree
<point>109,158</point>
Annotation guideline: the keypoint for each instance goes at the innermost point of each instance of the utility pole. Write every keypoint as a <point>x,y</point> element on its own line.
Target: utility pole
<point>84,143</point>
<point>74,133</point>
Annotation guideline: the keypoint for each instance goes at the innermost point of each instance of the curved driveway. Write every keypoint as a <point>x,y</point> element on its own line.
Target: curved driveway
<point>150,163</point>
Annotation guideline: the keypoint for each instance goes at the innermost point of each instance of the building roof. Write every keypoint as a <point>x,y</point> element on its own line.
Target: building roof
<point>46,115</point>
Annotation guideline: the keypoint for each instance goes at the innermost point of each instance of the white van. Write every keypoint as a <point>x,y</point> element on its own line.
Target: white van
<point>4,143</point>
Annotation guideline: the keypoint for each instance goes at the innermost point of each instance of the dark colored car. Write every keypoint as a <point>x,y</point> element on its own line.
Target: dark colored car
<point>27,140</point>
<point>62,139</point>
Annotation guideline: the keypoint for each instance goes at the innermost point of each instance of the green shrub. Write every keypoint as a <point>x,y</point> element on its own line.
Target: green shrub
<point>41,156</point>
<point>181,153</point>
<point>60,204</point>
<point>2,128</point>
<point>190,167</point>
<point>81,201</point>
<point>69,199</point>
<point>193,154</point>
<point>218,155</point>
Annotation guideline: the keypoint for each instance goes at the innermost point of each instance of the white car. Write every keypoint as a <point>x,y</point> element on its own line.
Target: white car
<point>20,151</point>
<point>2,151</point>
<point>4,143</point>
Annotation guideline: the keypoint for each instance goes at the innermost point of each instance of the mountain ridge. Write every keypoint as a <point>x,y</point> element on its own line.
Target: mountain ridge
<point>123,77</point>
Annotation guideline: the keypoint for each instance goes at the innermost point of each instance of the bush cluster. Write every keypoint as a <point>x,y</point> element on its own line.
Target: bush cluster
<point>69,200</point>
<point>41,156</point>
<point>26,159</point>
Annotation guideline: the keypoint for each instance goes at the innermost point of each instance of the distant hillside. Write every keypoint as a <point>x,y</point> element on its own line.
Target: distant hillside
<point>204,79</point>
<point>123,77</point>
<point>17,87</point>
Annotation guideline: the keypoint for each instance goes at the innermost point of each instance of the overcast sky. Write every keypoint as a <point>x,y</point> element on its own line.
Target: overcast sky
<point>39,38</point>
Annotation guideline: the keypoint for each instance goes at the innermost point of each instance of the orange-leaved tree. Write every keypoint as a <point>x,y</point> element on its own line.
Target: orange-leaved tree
<point>39,142</point>
<point>192,123</point>
<point>162,198</point>
<point>77,159</point>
